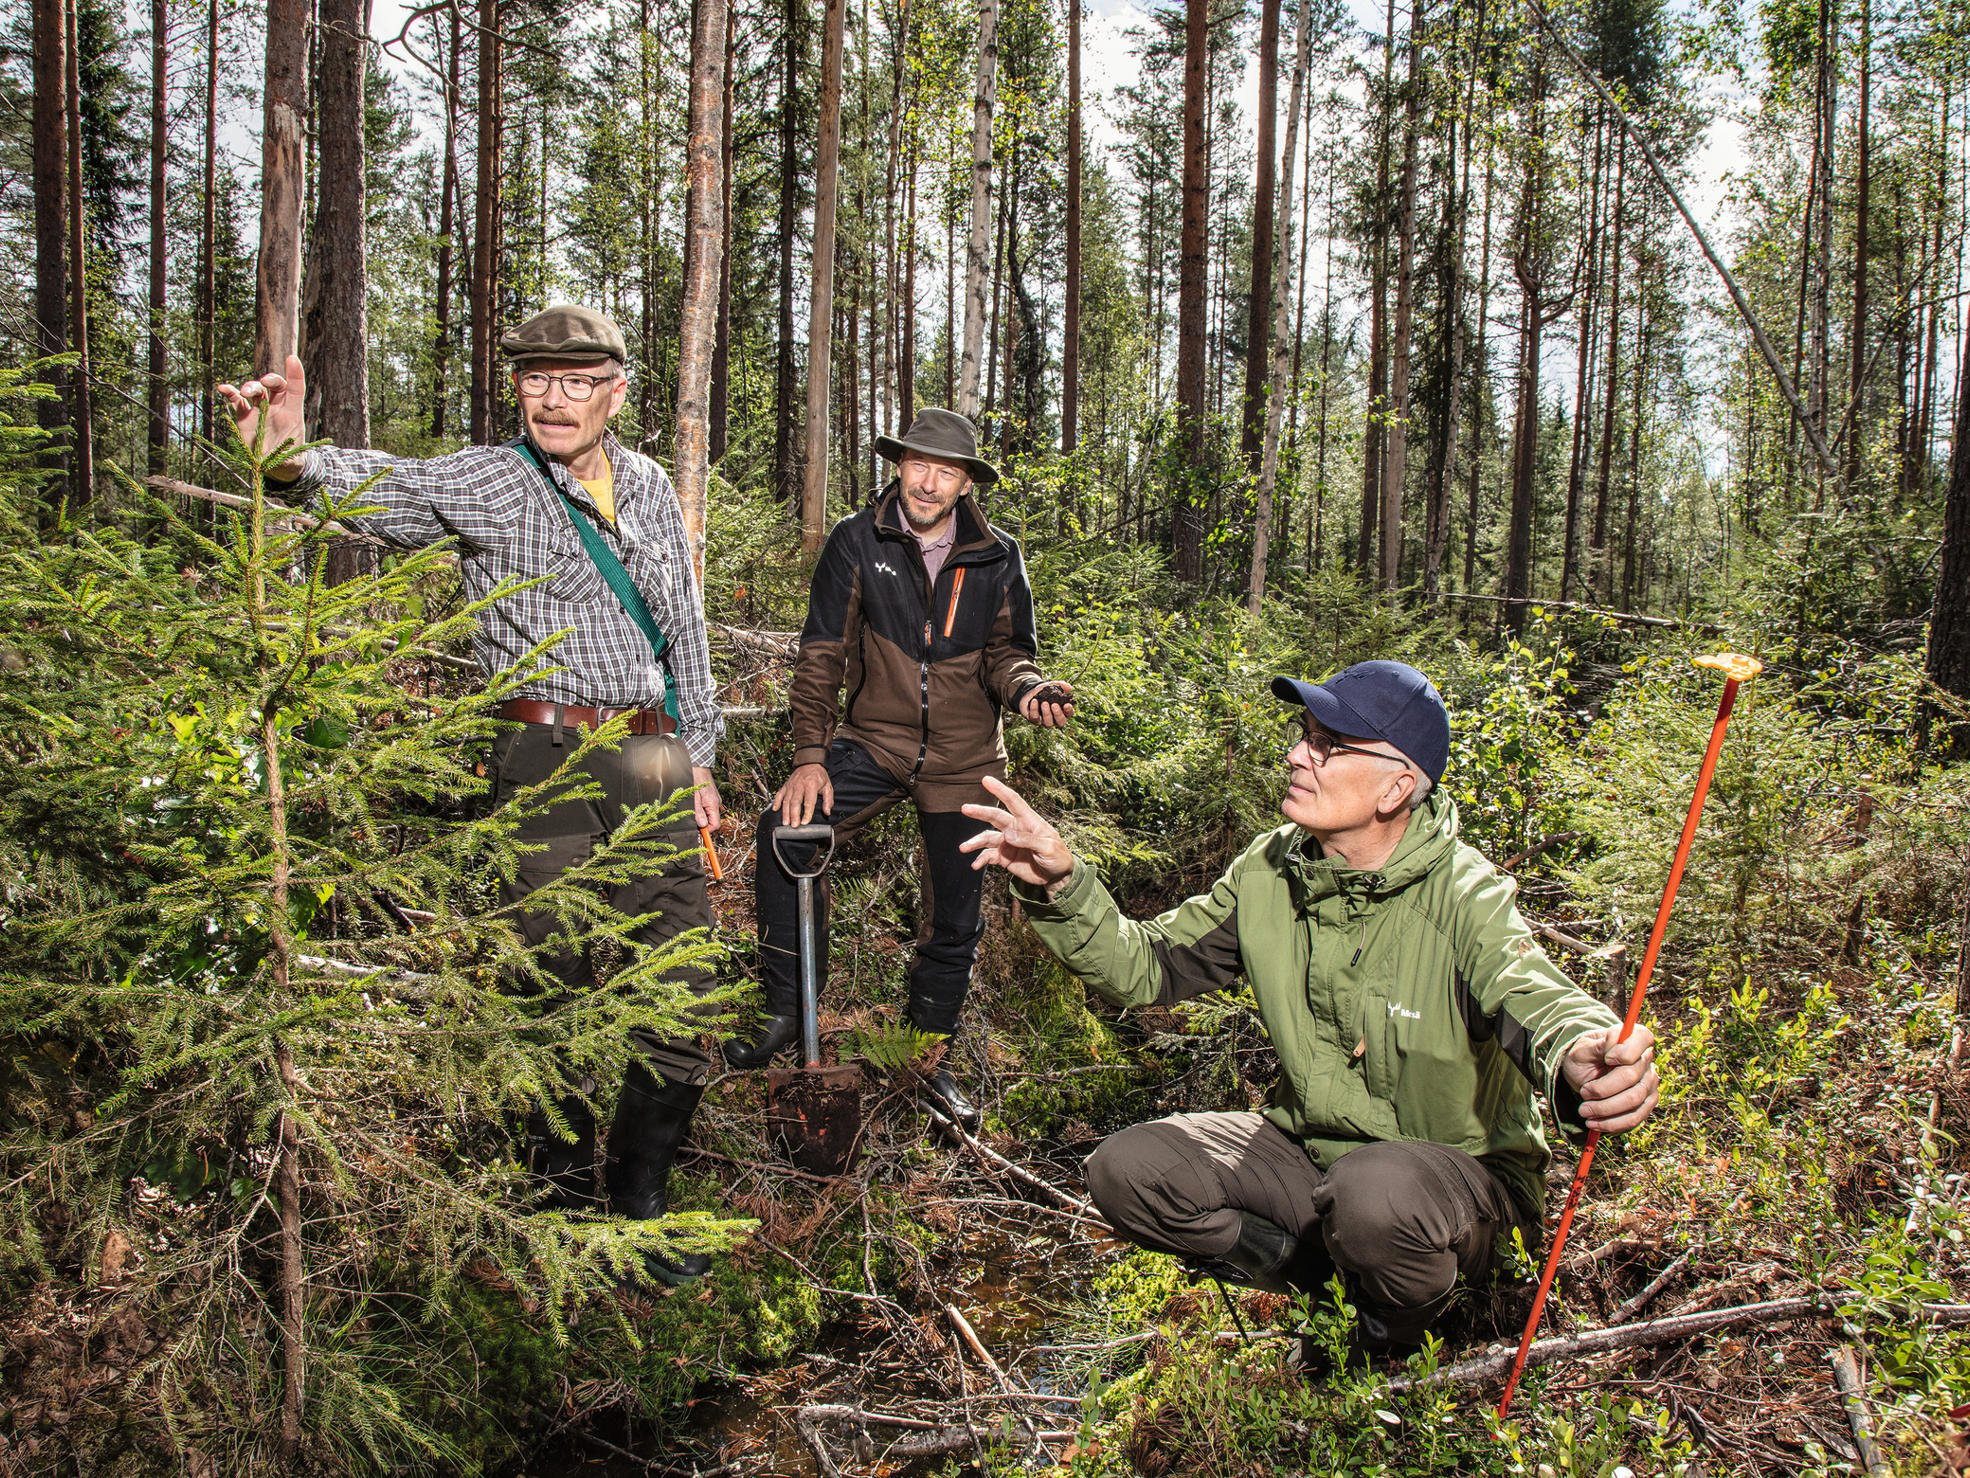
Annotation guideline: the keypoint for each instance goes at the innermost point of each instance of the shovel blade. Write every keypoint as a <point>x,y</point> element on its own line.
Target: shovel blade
<point>815,1115</point>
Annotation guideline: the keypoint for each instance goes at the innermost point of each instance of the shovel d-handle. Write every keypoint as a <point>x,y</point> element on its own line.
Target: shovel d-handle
<point>785,835</point>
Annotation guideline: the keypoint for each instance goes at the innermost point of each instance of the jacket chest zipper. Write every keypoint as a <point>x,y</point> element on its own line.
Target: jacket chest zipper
<point>923,677</point>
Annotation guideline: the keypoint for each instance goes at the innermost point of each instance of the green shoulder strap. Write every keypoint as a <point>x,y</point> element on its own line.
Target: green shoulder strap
<point>614,576</point>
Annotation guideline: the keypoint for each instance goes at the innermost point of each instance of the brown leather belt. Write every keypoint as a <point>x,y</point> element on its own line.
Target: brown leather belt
<point>532,711</point>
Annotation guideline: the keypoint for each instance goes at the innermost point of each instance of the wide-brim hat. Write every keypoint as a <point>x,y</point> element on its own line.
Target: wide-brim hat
<point>941,433</point>
<point>566,333</point>
<point>1389,701</point>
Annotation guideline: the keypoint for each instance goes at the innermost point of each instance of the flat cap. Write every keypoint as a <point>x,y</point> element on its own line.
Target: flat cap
<point>565,332</point>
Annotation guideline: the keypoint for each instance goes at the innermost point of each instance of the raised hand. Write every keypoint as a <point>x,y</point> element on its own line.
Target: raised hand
<point>1019,839</point>
<point>1616,1080</point>
<point>276,399</point>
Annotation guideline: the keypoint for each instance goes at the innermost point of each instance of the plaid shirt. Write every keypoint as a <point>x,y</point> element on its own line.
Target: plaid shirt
<point>493,502</point>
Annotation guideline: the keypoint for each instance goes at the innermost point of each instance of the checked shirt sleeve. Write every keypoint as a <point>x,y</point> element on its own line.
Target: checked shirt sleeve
<point>473,495</point>
<point>680,611</point>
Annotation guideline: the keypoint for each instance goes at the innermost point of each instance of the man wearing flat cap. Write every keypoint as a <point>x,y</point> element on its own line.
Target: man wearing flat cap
<point>1412,1010</point>
<point>599,526</point>
<point>920,612</point>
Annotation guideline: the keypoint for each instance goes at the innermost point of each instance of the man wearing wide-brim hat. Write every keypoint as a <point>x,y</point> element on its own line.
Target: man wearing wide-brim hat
<point>921,615</point>
<point>555,508</point>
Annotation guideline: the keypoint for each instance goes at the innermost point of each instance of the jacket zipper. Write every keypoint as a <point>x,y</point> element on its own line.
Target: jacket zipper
<point>923,674</point>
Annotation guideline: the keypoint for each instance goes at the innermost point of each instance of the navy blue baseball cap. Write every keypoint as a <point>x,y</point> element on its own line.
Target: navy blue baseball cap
<point>1389,701</point>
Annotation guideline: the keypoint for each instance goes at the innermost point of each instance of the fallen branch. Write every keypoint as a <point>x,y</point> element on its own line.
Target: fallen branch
<point>970,1336</point>
<point>1847,1378</point>
<point>1498,1359</point>
<point>1636,1304</point>
<point>993,1160</point>
<point>1629,618</point>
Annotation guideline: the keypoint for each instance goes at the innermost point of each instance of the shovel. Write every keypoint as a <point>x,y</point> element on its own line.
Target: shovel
<point>814,1113</point>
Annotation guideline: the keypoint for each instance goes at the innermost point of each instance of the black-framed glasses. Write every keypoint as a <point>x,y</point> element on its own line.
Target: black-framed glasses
<point>1323,746</point>
<point>534,383</point>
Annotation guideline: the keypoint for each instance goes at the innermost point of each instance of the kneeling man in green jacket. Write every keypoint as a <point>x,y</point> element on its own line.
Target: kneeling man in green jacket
<point>1411,1007</point>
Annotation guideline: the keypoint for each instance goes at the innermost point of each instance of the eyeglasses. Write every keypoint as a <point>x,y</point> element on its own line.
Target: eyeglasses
<point>1323,746</point>
<point>576,387</point>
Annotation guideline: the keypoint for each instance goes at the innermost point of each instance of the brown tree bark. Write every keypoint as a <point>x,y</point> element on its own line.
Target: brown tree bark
<point>1070,350</point>
<point>705,255</point>
<point>1857,332</point>
<point>1258,314</point>
<point>50,174</point>
<point>486,225</point>
<point>1395,464</point>
<point>1455,326</point>
<point>786,481</point>
<point>447,226</point>
<point>1528,266</point>
<point>283,131</point>
<point>338,316</point>
<point>82,479</point>
<point>1187,523</point>
<point>1576,469</point>
<point>1947,661</point>
<point>721,356</point>
<point>820,320</point>
<point>1277,383</point>
<point>1375,423</point>
<point>158,422</point>
<point>972,370</point>
<point>208,232</point>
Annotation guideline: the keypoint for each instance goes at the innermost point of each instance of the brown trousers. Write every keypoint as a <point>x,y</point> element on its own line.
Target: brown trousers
<point>646,768</point>
<point>1402,1218</point>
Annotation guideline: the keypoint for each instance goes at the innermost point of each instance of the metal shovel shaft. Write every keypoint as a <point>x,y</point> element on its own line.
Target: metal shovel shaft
<point>810,972</point>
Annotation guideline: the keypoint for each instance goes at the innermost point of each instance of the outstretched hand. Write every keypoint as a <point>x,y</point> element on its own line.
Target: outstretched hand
<point>278,399</point>
<point>1616,1080</point>
<point>1019,839</point>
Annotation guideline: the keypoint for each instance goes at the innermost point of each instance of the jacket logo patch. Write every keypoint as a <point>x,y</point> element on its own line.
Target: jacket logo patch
<point>885,567</point>
<point>1404,1012</point>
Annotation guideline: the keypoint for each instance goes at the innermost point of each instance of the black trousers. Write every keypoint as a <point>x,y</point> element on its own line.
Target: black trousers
<point>950,921</point>
<point>646,768</point>
<point>1404,1219</point>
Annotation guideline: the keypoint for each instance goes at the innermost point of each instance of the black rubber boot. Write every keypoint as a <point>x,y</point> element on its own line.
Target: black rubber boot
<point>948,1098</point>
<point>775,1033</point>
<point>651,1121</point>
<point>566,1166</point>
<point>1265,1257</point>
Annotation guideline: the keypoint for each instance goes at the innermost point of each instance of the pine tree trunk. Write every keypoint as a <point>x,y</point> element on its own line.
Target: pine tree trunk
<point>486,226</point>
<point>721,358</point>
<point>1576,468</point>
<point>159,419</point>
<point>447,226</point>
<point>284,129</point>
<point>1947,661</point>
<point>1258,316</point>
<point>972,370</point>
<point>1603,571</point>
<point>208,232</point>
<point>705,233</point>
<point>1187,523</point>
<point>1277,383</point>
<point>50,173</point>
<point>1455,329</point>
<point>786,480</point>
<point>1857,334</point>
<point>82,482</point>
<point>338,372</point>
<point>1529,268</point>
<point>1395,466</point>
<point>1070,349</point>
<point>820,321</point>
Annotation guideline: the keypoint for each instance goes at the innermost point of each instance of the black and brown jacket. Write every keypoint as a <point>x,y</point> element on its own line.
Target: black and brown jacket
<point>915,673</point>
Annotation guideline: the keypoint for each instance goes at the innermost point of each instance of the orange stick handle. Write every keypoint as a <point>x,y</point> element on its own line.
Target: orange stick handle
<point>1737,669</point>
<point>711,855</point>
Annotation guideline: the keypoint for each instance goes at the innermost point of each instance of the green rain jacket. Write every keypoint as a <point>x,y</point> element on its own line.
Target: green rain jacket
<point>1406,1003</point>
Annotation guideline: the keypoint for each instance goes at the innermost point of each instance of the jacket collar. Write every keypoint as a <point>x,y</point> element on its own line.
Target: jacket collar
<point>1430,835</point>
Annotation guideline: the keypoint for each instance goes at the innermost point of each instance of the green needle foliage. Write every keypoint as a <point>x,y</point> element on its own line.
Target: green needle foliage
<point>256,1125</point>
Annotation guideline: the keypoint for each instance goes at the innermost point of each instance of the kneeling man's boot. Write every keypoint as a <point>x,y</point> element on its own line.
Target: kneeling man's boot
<point>1385,1335</point>
<point>651,1121</point>
<point>1266,1256</point>
<point>775,1034</point>
<point>949,1099</point>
